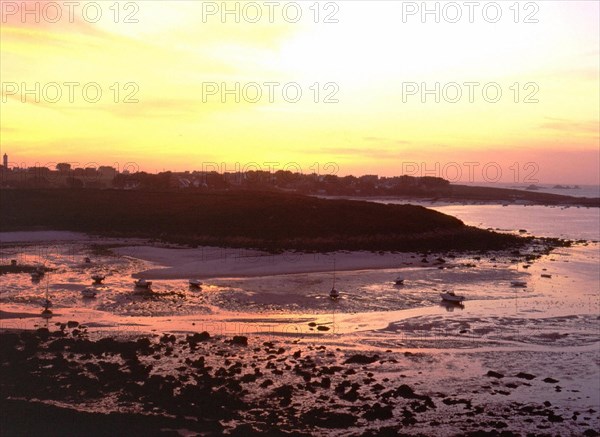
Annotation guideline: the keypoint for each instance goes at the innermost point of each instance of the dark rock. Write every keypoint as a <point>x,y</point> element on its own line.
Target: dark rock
<point>331,370</point>
<point>240,340</point>
<point>197,338</point>
<point>351,395</point>
<point>526,376</point>
<point>555,418</point>
<point>43,333</point>
<point>550,380</point>
<point>266,383</point>
<point>361,359</point>
<point>406,392</point>
<point>493,374</point>
<point>377,412</point>
<point>284,391</point>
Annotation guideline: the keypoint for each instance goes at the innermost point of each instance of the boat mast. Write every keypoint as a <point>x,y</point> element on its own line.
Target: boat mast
<point>333,273</point>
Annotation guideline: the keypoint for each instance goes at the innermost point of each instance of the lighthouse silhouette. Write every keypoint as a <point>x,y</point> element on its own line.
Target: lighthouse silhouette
<point>5,160</point>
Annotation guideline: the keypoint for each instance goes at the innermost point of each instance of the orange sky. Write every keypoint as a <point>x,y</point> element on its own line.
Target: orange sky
<point>368,61</point>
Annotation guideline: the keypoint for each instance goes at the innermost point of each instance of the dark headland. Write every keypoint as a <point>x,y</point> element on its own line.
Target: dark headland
<point>252,219</point>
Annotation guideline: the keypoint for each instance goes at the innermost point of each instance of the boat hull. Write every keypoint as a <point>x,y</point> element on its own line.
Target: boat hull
<point>452,298</point>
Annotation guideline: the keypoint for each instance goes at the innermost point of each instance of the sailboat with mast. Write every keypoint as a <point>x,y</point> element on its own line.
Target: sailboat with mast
<point>47,312</point>
<point>334,294</point>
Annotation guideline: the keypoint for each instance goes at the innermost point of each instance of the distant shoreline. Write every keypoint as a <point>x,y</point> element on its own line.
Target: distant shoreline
<point>478,195</point>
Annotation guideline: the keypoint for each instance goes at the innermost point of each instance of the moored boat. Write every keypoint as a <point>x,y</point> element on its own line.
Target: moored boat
<point>195,283</point>
<point>142,283</point>
<point>450,296</point>
<point>47,312</point>
<point>333,293</point>
<point>98,278</point>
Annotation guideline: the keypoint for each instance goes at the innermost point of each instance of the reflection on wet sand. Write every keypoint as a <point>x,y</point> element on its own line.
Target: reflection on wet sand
<point>451,306</point>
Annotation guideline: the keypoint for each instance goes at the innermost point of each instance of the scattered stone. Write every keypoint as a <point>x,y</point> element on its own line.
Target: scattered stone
<point>550,380</point>
<point>266,383</point>
<point>493,374</point>
<point>378,412</point>
<point>361,359</point>
<point>241,340</point>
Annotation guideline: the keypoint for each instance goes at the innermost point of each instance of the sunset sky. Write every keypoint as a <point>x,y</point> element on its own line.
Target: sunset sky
<point>368,57</point>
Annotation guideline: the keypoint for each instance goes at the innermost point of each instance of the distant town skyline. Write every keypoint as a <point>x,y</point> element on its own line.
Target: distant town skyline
<point>378,86</point>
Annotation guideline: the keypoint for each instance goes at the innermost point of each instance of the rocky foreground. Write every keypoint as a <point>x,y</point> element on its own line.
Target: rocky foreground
<point>65,383</point>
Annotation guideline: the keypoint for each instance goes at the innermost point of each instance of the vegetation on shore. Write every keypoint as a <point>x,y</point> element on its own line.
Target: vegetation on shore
<point>265,220</point>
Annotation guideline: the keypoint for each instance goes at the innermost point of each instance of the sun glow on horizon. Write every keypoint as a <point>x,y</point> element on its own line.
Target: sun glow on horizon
<point>355,108</point>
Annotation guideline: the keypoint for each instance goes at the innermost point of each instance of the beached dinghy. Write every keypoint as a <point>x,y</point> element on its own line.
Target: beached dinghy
<point>334,294</point>
<point>521,284</point>
<point>142,283</point>
<point>449,296</point>
<point>97,278</point>
<point>88,293</point>
<point>195,283</point>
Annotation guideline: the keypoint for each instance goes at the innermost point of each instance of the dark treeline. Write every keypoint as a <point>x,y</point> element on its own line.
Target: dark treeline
<point>108,178</point>
<point>427,187</point>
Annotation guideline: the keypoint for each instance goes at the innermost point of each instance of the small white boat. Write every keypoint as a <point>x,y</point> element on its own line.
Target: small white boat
<point>520,284</point>
<point>98,278</point>
<point>142,283</point>
<point>89,293</point>
<point>449,296</point>
<point>195,283</point>
<point>399,281</point>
